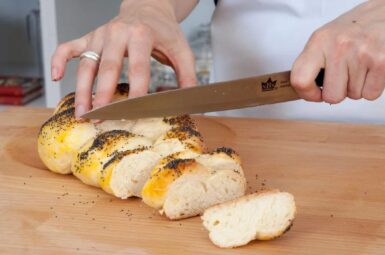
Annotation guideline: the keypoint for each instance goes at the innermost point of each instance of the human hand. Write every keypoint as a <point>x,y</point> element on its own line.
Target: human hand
<point>351,48</point>
<point>142,28</point>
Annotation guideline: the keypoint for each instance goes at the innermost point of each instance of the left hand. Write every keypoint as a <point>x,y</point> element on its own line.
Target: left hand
<point>351,48</point>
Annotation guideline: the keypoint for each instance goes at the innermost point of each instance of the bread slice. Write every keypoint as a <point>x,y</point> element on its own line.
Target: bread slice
<point>89,161</point>
<point>223,158</point>
<point>165,173</point>
<point>182,188</point>
<point>124,175</point>
<point>60,137</point>
<point>261,216</point>
<point>190,195</point>
<point>179,139</point>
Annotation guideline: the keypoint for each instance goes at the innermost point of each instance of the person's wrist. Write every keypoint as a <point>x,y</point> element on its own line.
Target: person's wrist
<point>127,4</point>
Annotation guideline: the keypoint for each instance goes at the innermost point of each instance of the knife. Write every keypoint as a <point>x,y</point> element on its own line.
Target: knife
<point>221,96</point>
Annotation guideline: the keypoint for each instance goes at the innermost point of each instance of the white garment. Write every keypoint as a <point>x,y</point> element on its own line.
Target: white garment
<point>253,37</point>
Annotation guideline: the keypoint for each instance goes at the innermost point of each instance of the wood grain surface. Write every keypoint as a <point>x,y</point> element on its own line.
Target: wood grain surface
<point>336,172</point>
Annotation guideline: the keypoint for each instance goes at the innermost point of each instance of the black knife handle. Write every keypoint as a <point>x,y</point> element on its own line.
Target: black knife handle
<point>320,78</point>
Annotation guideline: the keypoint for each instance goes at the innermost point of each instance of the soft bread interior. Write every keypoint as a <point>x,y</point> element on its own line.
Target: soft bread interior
<point>168,147</point>
<point>190,195</point>
<point>220,161</point>
<point>109,125</point>
<point>131,173</point>
<point>261,216</point>
<point>151,128</point>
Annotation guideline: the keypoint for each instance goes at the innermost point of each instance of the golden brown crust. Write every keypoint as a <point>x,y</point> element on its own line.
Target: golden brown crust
<point>60,121</point>
<point>102,141</point>
<point>68,101</point>
<point>121,154</point>
<point>163,175</point>
<point>65,103</point>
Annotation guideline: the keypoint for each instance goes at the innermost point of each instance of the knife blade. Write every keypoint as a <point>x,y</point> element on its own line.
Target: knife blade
<point>221,96</point>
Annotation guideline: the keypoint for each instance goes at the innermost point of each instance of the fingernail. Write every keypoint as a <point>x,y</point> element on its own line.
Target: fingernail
<point>54,74</point>
<point>79,111</point>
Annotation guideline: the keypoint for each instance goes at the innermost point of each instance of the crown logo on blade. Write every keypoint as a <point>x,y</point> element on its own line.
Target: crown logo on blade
<point>269,85</point>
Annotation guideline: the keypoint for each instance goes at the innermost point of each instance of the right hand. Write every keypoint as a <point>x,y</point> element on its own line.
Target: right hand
<point>141,30</point>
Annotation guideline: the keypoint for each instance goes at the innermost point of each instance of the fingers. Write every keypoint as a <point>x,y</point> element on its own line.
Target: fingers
<point>304,72</point>
<point>87,70</point>
<point>357,75</point>
<point>110,67</point>
<point>336,80</point>
<point>64,52</point>
<point>375,82</point>
<point>139,49</point>
<point>184,64</point>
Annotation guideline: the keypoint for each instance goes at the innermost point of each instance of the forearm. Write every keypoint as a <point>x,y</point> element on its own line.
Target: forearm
<point>180,8</point>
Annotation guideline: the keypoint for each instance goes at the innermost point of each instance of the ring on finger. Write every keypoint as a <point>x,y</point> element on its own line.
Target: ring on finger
<point>91,55</point>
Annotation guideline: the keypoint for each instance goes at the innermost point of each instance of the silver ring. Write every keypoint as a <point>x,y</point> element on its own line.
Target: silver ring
<point>91,55</point>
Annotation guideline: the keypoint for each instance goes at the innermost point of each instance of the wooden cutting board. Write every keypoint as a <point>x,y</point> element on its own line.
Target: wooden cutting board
<point>335,171</point>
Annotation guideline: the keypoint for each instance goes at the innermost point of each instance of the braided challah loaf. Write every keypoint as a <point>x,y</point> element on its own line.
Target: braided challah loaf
<point>163,160</point>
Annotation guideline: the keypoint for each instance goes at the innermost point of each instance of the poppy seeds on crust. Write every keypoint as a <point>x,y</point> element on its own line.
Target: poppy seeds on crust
<point>225,150</point>
<point>105,139</point>
<point>183,133</point>
<point>174,164</point>
<point>182,120</point>
<point>70,102</point>
<point>120,155</point>
<point>61,120</point>
<point>68,97</point>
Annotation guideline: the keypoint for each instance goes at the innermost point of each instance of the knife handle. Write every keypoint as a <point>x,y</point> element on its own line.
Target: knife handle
<point>320,78</point>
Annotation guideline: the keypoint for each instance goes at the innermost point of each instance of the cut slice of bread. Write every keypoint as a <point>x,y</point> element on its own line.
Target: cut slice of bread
<point>165,173</point>
<point>191,194</point>
<point>88,163</point>
<point>183,188</point>
<point>125,174</point>
<point>260,216</point>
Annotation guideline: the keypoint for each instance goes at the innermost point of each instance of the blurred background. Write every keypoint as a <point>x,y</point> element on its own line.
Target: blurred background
<point>32,29</point>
